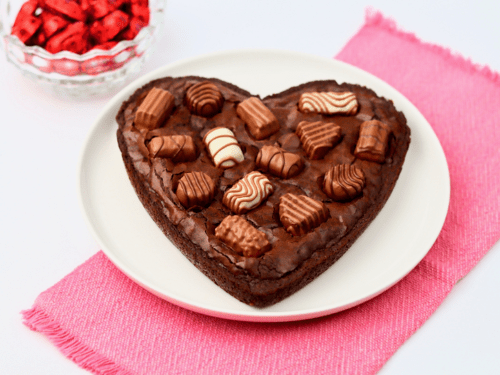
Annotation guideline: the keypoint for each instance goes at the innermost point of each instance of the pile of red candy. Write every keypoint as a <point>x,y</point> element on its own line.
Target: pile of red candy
<point>79,25</point>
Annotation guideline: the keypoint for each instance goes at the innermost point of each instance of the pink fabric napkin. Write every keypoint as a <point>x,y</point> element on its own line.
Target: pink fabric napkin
<point>109,325</point>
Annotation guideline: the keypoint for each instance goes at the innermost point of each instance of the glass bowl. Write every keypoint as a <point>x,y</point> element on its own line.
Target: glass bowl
<point>97,72</point>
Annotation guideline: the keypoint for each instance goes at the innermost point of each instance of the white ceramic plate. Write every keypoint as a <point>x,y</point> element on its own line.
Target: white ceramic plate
<point>392,245</point>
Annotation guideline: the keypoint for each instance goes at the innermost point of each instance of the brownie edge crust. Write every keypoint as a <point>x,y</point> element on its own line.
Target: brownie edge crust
<point>291,259</point>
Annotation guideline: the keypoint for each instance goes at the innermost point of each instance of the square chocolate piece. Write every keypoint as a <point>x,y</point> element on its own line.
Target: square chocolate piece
<point>260,120</point>
<point>373,141</point>
<point>156,106</point>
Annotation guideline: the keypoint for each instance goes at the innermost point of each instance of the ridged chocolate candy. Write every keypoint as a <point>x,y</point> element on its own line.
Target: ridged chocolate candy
<point>373,141</point>
<point>260,121</point>
<point>204,99</point>
<point>155,107</point>
<point>242,237</point>
<point>328,103</point>
<point>299,214</point>
<point>318,137</point>
<point>248,193</point>
<point>279,162</point>
<point>344,182</point>
<point>195,189</point>
<point>179,148</point>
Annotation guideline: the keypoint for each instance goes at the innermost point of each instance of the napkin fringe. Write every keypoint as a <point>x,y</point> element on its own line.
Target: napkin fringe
<point>376,18</point>
<point>37,320</point>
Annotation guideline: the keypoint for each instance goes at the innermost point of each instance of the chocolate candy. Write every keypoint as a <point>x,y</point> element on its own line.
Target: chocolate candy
<point>223,147</point>
<point>107,28</point>
<point>373,141</point>
<point>69,8</point>
<point>73,38</point>
<point>179,148</point>
<point>344,182</point>
<point>259,119</point>
<point>318,137</point>
<point>280,163</point>
<point>328,103</point>
<point>157,105</point>
<point>204,99</point>
<point>195,189</point>
<point>248,193</point>
<point>242,237</point>
<point>300,214</point>
<point>26,24</point>
<point>52,23</point>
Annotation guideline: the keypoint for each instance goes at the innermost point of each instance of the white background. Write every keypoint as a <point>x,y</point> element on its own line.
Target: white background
<point>43,235</point>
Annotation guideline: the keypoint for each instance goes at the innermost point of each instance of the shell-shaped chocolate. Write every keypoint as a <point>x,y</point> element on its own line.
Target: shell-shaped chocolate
<point>373,141</point>
<point>204,99</point>
<point>279,162</point>
<point>248,193</point>
<point>318,137</point>
<point>242,237</point>
<point>328,103</point>
<point>179,148</point>
<point>299,214</point>
<point>195,189</point>
<point>344,182</point>
<point>223,147</point>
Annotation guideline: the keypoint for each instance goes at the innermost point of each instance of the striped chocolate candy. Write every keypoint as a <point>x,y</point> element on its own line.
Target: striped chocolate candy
<point>195,189</point>
<point>248,193</point>
<point>328,103</point>
<point>318,137</point>
<point>204,99</point>
<point>344,182</point>
<point>223,147</point>
<point>299,214</point>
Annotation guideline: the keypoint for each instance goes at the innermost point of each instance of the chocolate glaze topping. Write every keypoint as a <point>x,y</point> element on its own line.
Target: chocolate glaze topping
<point>288,251</point>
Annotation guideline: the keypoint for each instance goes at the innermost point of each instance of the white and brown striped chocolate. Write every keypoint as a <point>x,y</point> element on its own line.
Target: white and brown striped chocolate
<point>299,214</point>
<point>260,121</point>
<point>223,147</point>
<point>343,182</point>
<point>155,107</point>
<point>204,99</point>
<point>328,103</point>
<point>279,162</point>
<point>179,148</point>
<point>318,137</point>
<point>373,141</point>
<point>242,237</point>
<point>248,193</point>
<point>195,189</point>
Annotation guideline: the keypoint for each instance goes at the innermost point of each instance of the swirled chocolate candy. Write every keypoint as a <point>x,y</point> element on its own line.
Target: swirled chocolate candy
<point>204,99</point>
<point>156,106</point>
<point>195,189</point>
<point>279,162</point>
<point>248,193</point>
<point>179,148</point>
<point>242,237</point>
<point>344,182</point>
<point>259,119</point>
<point>299,214</point>
<point>329,103</point>
<point>269,252</point>
<point>318,137</point>
<point>223,147</point>
<point>373,141</point>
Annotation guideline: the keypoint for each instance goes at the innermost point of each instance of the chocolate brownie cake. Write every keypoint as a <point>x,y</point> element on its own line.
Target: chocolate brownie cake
<point>261,195</point>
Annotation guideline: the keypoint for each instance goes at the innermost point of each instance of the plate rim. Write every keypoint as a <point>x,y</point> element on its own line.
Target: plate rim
<point>257,315</point>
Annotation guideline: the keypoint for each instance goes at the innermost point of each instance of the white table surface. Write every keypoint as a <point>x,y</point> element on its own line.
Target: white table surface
<point>43,235</point>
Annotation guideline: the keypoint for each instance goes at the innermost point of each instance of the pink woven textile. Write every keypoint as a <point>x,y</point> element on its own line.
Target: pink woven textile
<point>107,324</point>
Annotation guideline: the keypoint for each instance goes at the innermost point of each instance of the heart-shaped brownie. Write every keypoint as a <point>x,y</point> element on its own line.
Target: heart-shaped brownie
<point>261,195</point>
